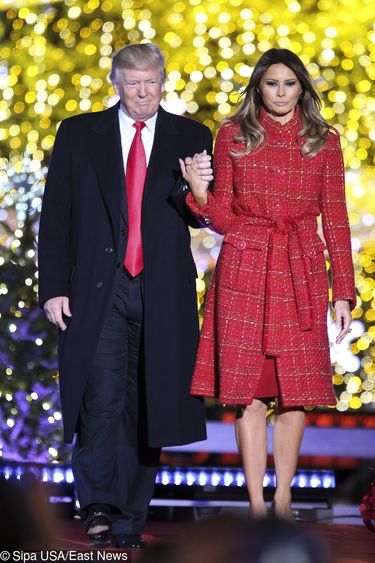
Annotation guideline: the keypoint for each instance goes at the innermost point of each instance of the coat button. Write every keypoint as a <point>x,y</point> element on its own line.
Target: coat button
<point>241,245</point>
<point>108,250</point>
<point>99,284</point>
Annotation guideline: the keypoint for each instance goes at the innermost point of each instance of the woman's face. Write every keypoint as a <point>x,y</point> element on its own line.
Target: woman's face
<point>280,90</point>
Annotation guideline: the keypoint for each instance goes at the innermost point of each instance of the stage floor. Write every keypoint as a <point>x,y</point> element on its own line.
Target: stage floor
<point>347,543</point>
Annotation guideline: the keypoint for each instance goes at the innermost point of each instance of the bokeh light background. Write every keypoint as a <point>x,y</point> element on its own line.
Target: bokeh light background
<point>54,62</point>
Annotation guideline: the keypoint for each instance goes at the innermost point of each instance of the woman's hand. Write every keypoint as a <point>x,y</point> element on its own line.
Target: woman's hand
<point>343,319</point>
<point>197,172</point>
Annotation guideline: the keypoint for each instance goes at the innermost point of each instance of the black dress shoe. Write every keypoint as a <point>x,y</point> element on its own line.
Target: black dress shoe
<point>102,538</point>
<point>128,541</point>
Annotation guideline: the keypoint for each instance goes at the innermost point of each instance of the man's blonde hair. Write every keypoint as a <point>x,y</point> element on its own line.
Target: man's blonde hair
<point>141,56</point>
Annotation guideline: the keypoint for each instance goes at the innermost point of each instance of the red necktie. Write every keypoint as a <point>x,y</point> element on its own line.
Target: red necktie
<point>136,169</point>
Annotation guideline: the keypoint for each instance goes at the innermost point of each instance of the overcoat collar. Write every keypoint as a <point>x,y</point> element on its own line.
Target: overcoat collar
<point>160,158</point>
<point>107,160</point>
<point>108,163</point>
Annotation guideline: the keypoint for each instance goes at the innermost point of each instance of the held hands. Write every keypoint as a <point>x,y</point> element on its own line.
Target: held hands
<point>197,172</point>
<point>55,308</point>
<point>343,319</point>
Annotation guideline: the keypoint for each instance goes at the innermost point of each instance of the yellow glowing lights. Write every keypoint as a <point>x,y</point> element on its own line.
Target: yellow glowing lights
<point>196,33</point>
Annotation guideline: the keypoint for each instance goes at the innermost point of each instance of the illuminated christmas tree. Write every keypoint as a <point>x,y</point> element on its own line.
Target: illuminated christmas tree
<point>29,401</point>
<point>54,61</point>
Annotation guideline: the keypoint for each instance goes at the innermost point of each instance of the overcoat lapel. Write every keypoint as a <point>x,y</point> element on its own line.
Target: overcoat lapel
<point>108,164</point>
<point>164,139</point>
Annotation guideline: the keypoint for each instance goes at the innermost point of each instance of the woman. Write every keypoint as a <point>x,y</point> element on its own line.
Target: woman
<point>278,166</point>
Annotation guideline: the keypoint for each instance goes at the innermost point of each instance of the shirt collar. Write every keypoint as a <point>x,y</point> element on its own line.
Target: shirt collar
<point>129,121</point>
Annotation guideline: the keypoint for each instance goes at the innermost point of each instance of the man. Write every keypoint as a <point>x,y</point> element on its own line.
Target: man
<point>118,279</point>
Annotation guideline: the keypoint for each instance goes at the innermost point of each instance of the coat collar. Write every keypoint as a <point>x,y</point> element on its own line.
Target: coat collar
<point>105,145</point>
<point>275,128</point>
<point>107,158</point>
<point>164,139</point>
<point>106,119</point>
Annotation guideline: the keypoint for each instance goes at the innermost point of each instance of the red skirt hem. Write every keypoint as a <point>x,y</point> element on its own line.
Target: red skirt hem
<point>268,384</point>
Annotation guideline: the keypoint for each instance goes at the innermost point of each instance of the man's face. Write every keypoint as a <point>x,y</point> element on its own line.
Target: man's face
<point>140,91</point>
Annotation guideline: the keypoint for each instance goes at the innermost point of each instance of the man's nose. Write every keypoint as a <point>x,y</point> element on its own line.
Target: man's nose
<point>141,90</point>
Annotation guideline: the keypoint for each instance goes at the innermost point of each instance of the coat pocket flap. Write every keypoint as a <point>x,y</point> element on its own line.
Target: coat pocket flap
<point>318,245</point>
<point>242,243</point>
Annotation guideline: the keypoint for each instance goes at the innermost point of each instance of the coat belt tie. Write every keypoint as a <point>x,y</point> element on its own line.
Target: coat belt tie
<point>285,234</point>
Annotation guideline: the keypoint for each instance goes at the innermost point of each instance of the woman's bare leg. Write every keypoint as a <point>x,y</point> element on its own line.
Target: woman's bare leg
<point>251,436</point>
<point>287,437</point>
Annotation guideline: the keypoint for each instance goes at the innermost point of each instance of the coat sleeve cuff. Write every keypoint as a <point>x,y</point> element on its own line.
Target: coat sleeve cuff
<point>351,298</point>
<point>202,213</point>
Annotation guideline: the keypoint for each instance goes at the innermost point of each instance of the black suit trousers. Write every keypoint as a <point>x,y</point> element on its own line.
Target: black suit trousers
<point>111,462</point>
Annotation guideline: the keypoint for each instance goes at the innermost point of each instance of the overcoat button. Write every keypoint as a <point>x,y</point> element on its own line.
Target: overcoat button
<point>241,245</point>
<point>108,250</point>
<point>99,285</point>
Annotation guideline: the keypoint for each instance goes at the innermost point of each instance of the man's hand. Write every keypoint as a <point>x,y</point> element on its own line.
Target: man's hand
<point>343,319</point>
<point>55,308</point>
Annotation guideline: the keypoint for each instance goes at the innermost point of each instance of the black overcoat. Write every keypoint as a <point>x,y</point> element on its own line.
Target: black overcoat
<point>81,246</point>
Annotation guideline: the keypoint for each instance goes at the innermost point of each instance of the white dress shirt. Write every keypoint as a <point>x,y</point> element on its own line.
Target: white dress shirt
<point>127,132</point>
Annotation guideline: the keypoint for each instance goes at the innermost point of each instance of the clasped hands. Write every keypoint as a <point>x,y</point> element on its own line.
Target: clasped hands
<point>198,173</point>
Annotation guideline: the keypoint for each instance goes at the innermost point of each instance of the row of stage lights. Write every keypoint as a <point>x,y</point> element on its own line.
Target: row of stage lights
<point>181,476</point>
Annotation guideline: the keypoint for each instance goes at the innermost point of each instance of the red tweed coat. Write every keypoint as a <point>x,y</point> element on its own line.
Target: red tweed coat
<point>269,291</point>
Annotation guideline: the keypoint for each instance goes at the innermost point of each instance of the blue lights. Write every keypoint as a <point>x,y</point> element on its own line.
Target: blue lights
<point>180,476</point>
<point>227,477</point>
<point>46,474</point>
<point>7,472</point>
<point>69,476</point>
<point>58,476</point>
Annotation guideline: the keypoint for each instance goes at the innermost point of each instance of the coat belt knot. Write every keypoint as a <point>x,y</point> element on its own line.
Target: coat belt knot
<point>287,235</point>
